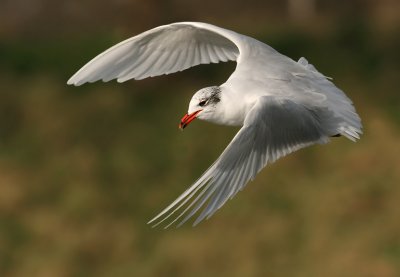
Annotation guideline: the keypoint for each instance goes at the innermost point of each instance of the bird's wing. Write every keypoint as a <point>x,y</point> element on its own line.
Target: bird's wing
<point>272,129</point>
<point>162,50</point>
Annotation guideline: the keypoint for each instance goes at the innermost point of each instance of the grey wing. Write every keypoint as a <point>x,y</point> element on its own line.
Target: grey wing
<point>272,129</point>
<point>162,50</point>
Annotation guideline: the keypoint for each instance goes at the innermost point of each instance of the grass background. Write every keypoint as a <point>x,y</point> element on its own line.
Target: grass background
<point>83,169</point>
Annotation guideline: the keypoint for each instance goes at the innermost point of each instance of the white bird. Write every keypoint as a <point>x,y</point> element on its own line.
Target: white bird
<point>282,105</point>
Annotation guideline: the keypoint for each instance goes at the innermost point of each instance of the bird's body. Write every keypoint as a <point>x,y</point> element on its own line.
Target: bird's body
<point>282,105</point>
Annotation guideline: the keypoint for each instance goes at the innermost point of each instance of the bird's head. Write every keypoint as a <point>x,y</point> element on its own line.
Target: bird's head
<point>202,105</point>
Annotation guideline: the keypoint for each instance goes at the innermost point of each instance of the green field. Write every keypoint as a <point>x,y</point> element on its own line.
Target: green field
<point>83,169</point>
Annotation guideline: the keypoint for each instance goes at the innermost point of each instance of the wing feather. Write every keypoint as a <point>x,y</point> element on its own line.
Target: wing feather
<point>272,129</point>
<point>162,50</point>
<point>211,53</point>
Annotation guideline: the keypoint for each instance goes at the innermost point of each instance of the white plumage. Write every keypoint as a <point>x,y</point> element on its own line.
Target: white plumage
<point>282,105</point>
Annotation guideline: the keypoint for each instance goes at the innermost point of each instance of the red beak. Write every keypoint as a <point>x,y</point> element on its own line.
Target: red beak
<point>187,118</point>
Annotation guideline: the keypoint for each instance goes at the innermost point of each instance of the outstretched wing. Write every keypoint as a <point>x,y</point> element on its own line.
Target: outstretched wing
<point>162,50</point>
<point>272,129</point>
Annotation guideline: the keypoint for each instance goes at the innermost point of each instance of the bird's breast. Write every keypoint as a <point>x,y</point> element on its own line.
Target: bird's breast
<point>234,109</point>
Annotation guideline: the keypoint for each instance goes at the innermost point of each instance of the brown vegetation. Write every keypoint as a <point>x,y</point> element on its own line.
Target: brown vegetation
<point>83,169</point>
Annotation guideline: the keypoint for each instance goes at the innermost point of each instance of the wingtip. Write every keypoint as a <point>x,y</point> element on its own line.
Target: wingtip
<point>72,82</point>
<point>156,221</point>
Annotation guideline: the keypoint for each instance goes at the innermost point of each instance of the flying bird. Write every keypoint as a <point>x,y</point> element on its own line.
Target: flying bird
<point>281,105</point>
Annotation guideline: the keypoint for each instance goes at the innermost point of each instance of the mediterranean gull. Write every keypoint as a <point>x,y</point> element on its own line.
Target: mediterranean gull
<point>281,105</point>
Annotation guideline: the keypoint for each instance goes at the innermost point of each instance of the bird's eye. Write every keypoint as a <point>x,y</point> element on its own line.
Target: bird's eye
<point>203,103</point>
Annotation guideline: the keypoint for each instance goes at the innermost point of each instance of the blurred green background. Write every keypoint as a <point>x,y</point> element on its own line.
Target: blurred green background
<point>83,169</point>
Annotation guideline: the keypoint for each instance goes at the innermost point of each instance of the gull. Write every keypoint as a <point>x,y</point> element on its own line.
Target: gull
<point>281,105</point>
